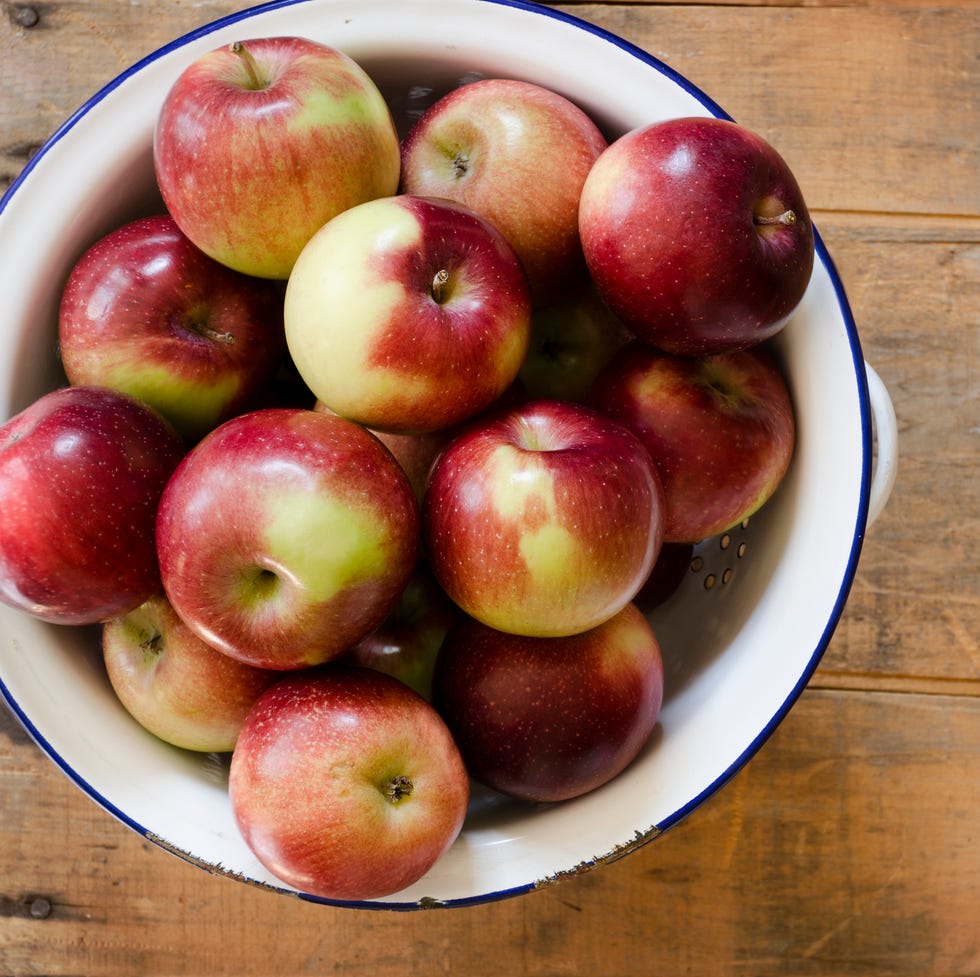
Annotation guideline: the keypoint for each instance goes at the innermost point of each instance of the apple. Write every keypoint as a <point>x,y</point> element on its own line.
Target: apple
<point>260,142</point>
<point>407,643</point>
<point>146,312</point>
<point>543,519</point>
<point>548,719</point>
<point>697,235</point>
<point>407,314</point>
<point>285,536</point>
<point>720,428</point>
<point>571,341</point>
<point>174,684</point>
<point>518,154</point>
<point>346,784</point>
<point>82,470</point>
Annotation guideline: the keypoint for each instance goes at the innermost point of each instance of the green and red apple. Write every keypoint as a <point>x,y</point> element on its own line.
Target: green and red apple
<point>571,341</point>
<point>287,535</point>
<point>174,684</point>
<point>408,315</point>
<point>518,154</point>
<point>260,142</point>
<point>543,519</point>
<point>146,312</point>
<point>407,643</point>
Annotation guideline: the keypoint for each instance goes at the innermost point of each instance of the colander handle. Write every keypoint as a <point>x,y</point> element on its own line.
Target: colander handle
<point>886,439</point>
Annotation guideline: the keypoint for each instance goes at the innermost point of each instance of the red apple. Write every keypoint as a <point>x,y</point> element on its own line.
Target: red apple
<point>697,235</point>
<point>544,519</point>
<point>571,341</point>
<point>174,684</point>
<point>518,154</point>
<point>720,428</point>
<point>548,719</point>
<point>346,784</point>
<point>82,470</point>
<point>408,315</point>
<point>407,643</point>
<point>285,536</point>
<point>260,142</point>
<point>146,312</point>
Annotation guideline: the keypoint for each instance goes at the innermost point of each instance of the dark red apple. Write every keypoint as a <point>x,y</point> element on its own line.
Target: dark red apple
<point>720,429</point>
<point>547,719</point>
<point>82,470</point>
<point>697,235</point>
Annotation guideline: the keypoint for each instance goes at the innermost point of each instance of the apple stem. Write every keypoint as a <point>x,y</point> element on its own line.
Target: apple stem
<point>786,217</point>
<point>439,283</point>
<point>399,788</point>
<point>255,80</point>
<point>227,338</point>
<point>152,645</point>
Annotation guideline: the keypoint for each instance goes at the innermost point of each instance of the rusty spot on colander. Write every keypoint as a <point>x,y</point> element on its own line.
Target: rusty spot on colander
<point>639,839</point>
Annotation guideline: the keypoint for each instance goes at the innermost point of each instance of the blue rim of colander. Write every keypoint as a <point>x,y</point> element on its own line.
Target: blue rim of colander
<point>822,255</point>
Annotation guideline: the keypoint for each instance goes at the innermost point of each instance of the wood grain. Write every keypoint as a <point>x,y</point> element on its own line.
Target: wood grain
<point>848,845</point>
<point>914,610</point>
<point>843,106</point>
<point>862,64</point>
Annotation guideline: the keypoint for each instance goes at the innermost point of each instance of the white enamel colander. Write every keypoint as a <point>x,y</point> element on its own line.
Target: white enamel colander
<point>742,635</point>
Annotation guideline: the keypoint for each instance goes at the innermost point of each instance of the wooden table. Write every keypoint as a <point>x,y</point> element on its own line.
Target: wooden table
<point>850,844</point>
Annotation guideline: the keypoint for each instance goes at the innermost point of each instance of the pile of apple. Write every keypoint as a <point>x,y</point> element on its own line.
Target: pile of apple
<point>376,451</point>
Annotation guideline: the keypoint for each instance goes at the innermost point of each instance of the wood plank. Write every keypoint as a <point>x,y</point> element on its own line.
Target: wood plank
<point>914,610</point>
<point>846,847</point>
<point>863,63</point>
<point>882,83</point>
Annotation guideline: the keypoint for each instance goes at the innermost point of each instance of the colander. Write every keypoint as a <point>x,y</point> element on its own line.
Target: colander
<point>742,635</point>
